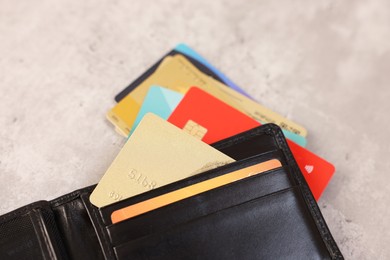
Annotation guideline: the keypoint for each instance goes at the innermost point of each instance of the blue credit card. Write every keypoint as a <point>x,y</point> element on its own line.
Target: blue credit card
<point>159,101</point>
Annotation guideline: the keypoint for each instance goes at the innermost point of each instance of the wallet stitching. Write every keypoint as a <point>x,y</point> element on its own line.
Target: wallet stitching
<point>306,193</point>
<point>313,207</point>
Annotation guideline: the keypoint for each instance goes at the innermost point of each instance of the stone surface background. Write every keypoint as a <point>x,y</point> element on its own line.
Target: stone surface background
<point>324,64</point>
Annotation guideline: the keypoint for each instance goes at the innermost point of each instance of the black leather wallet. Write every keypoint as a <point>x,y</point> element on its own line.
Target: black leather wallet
<point>272,215</point>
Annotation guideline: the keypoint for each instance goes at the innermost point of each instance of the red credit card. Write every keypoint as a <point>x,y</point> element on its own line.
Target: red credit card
<point>212,120</point>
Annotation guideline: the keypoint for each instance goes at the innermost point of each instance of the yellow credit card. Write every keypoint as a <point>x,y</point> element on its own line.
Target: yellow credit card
<point>156,154</point>
<point>178,74</point>
<point>122,118</point>
<point>192,190</point>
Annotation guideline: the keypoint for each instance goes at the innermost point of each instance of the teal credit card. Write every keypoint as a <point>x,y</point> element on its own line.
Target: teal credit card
<point>159,101</point>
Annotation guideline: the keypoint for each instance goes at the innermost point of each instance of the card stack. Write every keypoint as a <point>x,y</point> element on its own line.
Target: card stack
<point>191,94</point>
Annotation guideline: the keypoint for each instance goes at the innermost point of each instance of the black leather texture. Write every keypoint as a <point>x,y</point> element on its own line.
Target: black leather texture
<point>272,215</point>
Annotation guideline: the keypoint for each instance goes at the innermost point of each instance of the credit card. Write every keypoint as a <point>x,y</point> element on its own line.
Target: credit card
<point>216,120</point>
<point>121,117</point>
<point>177,74</point>
<point>162,101</point>
<point>159,101</point>
<point>195,58</point>
<point>192,190</point>
<point>156,154</point>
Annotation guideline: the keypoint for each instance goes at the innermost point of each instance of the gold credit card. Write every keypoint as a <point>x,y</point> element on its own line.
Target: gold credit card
<point>156,154</point>
<point>178,74</point>
<point>192,190</point>
<point>121,117</point>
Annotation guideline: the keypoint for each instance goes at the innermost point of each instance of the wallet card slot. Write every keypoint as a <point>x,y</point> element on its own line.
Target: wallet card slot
<point>200,205</point>
<point>106,212</point>
<point>277,226</point>
<point>245,145</point>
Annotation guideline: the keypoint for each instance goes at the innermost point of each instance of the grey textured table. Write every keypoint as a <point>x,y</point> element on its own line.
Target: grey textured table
<point>324,64</point>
